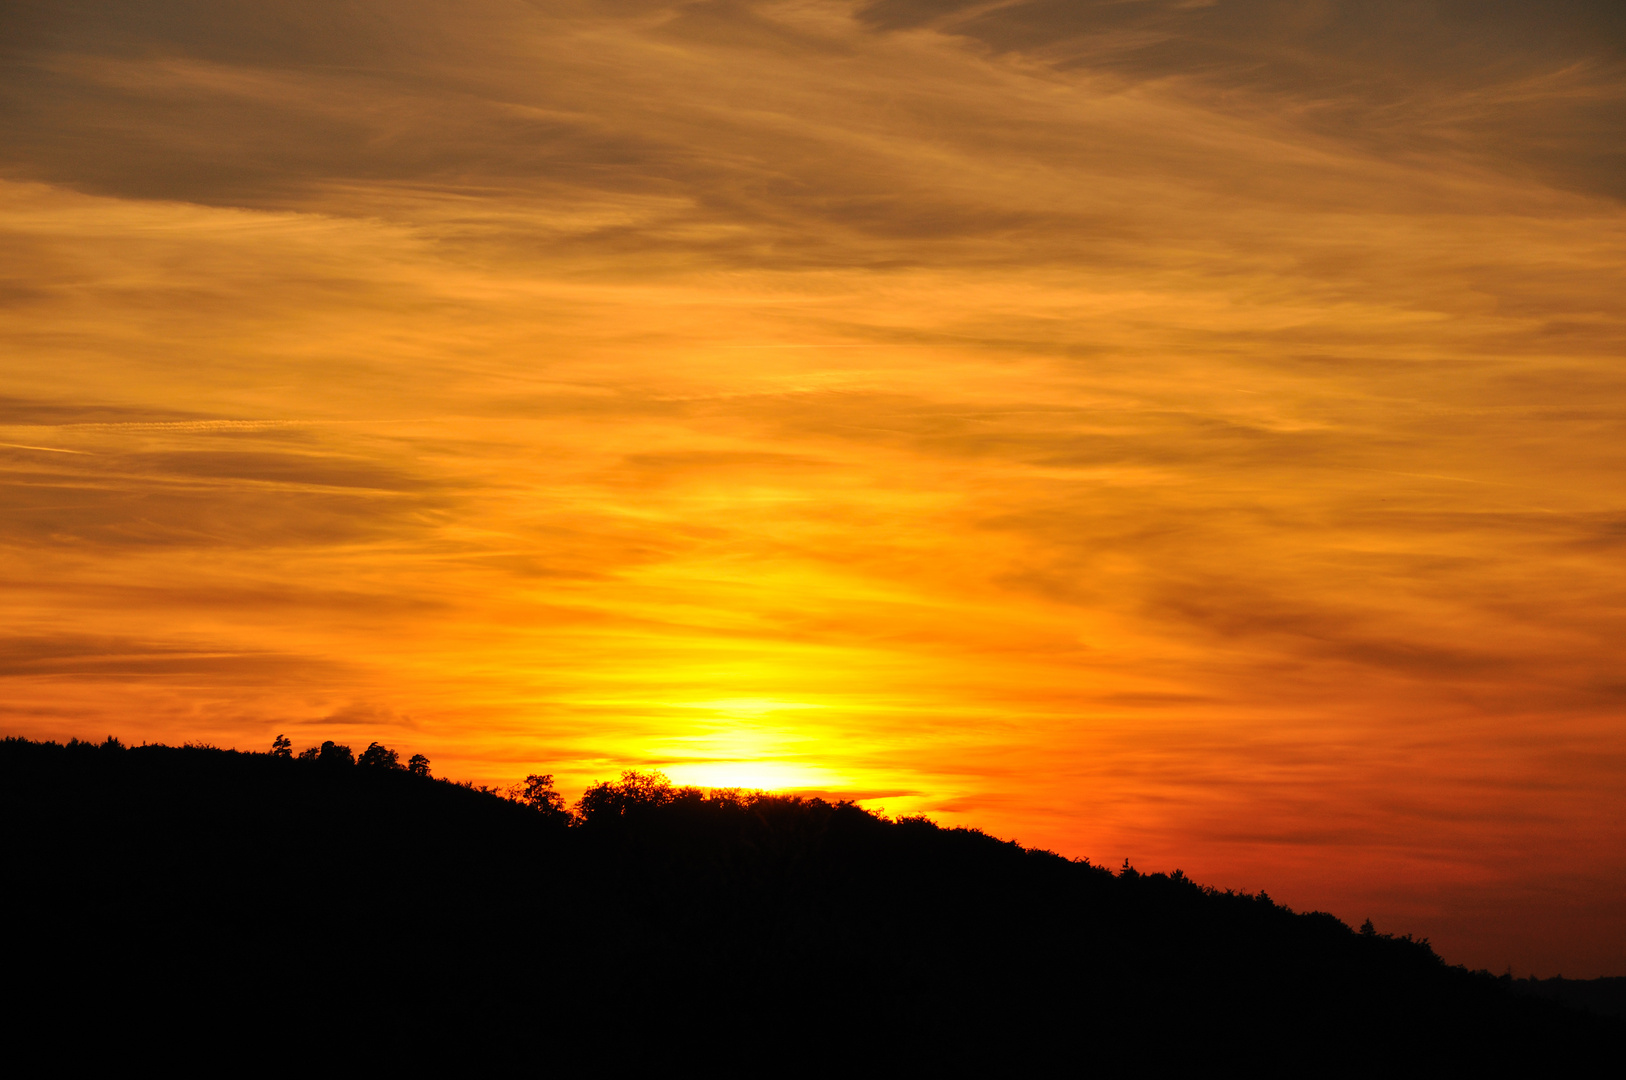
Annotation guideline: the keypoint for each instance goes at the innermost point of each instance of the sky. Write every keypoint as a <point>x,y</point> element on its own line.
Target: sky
<point>1191,433</point>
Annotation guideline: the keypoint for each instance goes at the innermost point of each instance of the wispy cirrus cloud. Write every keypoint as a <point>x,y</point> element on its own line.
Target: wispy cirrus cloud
<point>1182,431</point>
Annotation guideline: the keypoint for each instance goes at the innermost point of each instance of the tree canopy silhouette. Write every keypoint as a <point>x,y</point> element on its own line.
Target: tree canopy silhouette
<point>635,793</point>
<point>537,792</point>
<point>378,756</point>
<point>734,927</point>
<point>329,753</point>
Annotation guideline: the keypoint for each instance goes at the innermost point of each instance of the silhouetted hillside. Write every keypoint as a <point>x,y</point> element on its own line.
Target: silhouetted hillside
<point>1603,997</point>
<point>330,905</point>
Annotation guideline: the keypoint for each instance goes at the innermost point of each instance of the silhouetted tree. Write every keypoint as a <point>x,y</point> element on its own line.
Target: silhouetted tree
<point>636,791</point>
<point>537,793</point>
<point>418,765</point>
<point>282,747</point>
<point>379,756</point>
<point>329,753</point>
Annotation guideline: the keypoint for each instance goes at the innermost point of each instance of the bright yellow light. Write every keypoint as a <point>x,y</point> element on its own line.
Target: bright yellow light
<point>745,706</point>
<point>732,748</point>
<point>755,775</point>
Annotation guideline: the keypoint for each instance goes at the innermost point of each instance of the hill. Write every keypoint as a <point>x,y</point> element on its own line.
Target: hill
<point>350,906</point>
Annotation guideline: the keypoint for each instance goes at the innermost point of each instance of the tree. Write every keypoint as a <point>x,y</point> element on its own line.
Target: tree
<point>379,756</point>
<point>282,747</point>
<point>329,753</point>
<point>418,765</point>
<point>537,793</point>
<point>636,792</point>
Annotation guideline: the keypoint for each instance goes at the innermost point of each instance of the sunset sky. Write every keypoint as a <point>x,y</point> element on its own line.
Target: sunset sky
<point>1191,432</point>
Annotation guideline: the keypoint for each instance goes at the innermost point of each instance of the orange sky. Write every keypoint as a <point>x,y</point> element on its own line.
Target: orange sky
<point>1190,433</point>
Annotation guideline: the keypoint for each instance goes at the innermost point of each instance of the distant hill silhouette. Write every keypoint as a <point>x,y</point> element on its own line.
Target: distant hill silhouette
<point>335,907</point>
<point>1603,997</point>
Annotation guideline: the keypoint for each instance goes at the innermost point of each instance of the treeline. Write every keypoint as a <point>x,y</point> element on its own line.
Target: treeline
<point>661,923</point>
<point>376,756</point>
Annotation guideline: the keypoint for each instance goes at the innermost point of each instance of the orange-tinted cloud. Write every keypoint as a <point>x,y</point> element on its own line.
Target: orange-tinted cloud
<point>1183,432</point>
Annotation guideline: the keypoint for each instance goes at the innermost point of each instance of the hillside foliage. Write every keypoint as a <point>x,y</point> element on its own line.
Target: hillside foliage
<point>659,920</point>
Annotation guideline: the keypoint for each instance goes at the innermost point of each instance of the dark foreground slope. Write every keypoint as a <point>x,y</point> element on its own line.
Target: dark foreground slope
<point>156,891</point>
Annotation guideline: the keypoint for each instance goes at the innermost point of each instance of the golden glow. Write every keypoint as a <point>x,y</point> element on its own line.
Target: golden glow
<point>743,743</point>
<point>1221,468</point>
<point>756,776</point>
<point>745,708</point>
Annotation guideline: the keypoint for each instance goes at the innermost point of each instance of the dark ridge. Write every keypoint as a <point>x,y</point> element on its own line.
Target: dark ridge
<point>1603,997</point>
<point>324,908</point>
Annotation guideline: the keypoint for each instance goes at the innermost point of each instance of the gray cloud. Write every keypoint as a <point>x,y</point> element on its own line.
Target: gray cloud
<point>303,469</point>
<point>224,485</point>
<point>335,107</point>
<point>362,714</point>
<point>80,656</point>
<point>1534,87</point>
<point>36,412</point>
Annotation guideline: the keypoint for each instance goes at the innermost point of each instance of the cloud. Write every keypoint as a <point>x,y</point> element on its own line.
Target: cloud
<point>82,657</point>
<point>360,714</point>
<point>32,412</point>
<point>1183,431</point>
<point>663,132</point>
<point>1538,90</point>
<point>113,497</point>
